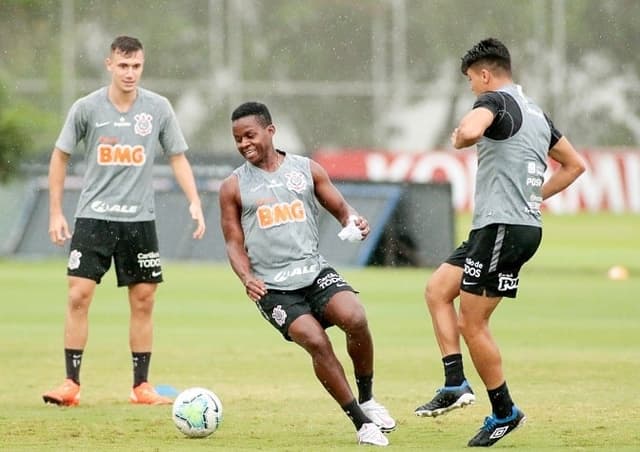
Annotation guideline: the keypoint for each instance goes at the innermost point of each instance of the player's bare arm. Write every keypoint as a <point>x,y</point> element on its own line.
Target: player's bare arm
<point>230,211</point>
<point>184,175</point>
<point>58,227</point>
<point>471,128</point>
<point>571,167</point>
<point>332,200</point>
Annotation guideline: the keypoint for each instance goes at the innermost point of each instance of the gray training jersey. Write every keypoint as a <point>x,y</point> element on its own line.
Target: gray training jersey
<point>280,223</point>
<point>120,149</point>
<point>511,171</point>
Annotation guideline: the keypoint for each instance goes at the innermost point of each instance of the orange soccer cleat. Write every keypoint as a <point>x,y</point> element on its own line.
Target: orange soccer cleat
<point>145,394</point>
<point>67,394</point>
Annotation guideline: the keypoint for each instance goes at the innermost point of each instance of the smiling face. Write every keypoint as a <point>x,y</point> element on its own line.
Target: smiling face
<point>126,69</point>
<point>254,139</point>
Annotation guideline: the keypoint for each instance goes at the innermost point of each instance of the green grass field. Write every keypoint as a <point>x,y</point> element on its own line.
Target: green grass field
<point>570,345</point>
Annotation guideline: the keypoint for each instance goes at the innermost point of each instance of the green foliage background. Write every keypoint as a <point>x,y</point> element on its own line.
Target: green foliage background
<point>193,44</point>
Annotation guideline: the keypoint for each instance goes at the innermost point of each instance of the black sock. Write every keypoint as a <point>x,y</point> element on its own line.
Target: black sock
<point>364,384</point>
<point>140,367</point>
<point>453,372</point>
<point>72,360</point>
<point>355,413</point>
<point>501,401</point>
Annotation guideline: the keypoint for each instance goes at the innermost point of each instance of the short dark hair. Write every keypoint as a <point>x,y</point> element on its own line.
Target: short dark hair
<point>126,45</point>
<point>489,51</point>
<point>253,109</point>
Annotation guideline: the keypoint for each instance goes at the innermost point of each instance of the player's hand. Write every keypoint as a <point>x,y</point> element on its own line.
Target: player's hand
<point>58,229</point>
<point>363,225</point>
<point>255,288</point>
<point>454,137</point>
<point>195,209</point>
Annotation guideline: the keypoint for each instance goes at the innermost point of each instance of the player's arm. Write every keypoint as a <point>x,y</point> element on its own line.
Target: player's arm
<point>58,227</point>
<point>230,211</point>
<point>571,167</point>
<point>471,127</point>
<point>184,175</point>
<point>331,199</point>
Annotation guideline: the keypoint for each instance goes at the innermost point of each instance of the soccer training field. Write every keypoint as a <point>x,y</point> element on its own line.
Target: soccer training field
<point>570,345</point>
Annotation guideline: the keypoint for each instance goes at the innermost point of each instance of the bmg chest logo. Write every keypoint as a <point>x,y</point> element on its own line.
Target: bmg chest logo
<point>121,155</point>
<point>281,213</point>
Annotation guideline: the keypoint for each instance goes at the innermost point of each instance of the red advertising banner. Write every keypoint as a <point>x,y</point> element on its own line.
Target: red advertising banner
<point>611,182</point>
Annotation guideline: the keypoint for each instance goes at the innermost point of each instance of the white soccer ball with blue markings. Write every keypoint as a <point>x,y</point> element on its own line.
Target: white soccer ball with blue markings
<point>197,412</point>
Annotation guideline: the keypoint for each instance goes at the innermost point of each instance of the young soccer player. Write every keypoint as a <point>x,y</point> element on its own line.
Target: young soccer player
<point>123,127</point>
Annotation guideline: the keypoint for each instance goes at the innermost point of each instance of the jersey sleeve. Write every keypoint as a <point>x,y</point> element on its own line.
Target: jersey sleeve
<point>555,133</point>
<point>74,128</point>
<point>507,116</point>
<point>491,101</point>
<point>171,137</point>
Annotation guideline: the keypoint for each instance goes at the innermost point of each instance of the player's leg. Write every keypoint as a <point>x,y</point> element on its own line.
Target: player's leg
<point>442,289</point>
<point>137,262</point>
<point>141,302</point>
<point>346,312</point>
<point>475,311</point>
<point>89,260</point>
<point>499,253</point>
<point>76,331</point>
<point>307,332</point>
<point>334,302</point>
<point>76,323</point>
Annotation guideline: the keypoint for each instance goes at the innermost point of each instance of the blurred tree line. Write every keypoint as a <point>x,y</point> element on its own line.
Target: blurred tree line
<point>336,73</point>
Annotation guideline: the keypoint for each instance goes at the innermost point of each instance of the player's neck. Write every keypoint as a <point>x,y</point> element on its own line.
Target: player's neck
<point>122,100</point>
<point>272,164</point>
<point>500,82</point>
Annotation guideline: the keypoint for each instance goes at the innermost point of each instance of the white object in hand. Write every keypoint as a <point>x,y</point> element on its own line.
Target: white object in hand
<point>351,232</point>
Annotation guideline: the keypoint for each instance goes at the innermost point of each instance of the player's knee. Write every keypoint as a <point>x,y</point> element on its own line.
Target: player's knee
<point>469,329</point>
<point>356,322</point>
<point>434,295</point>
<point>79,299</point>
<point>141,298</point>
<point>315,344</point>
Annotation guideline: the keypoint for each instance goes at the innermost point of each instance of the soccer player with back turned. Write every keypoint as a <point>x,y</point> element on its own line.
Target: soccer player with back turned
<point>123,128</point>
<point>513,138</point>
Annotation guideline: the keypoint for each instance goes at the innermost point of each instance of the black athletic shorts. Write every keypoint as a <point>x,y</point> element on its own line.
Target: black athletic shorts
<point>492,257</point>
<point>282,307</point>
<point>132,245</point>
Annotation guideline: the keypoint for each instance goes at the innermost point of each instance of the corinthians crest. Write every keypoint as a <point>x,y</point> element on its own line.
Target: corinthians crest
<point>296,181</point>
<point>279,315</point>
<point>142,126</point>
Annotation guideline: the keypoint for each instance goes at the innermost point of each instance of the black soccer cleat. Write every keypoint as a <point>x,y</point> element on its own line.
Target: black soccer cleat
<point>446,399</point>
<point>495,429</point>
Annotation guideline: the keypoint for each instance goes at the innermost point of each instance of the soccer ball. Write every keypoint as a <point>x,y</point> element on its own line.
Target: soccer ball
<point>197,412</point>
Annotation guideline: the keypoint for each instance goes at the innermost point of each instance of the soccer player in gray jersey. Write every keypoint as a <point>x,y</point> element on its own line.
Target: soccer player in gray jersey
<point>269,215</point>
<point>513,139</point>
<point>123,128</point>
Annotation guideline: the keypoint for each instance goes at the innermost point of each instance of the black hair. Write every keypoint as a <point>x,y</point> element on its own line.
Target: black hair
<point>489,51</point>
<point>126,45</point>
<point>253,109</point>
